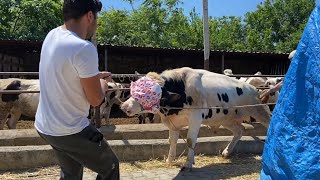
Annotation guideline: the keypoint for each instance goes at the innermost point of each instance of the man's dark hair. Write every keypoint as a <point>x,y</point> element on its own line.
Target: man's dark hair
<point>75,9</point>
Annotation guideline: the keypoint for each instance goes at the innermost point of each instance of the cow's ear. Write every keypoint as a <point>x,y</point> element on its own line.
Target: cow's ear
<point>174,96</point>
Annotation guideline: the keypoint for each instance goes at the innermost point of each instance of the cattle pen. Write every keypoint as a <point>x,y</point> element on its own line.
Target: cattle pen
<point>24,149</point>
<point>13,139</point>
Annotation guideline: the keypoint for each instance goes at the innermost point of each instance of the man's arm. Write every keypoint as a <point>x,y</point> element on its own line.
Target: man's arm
<point>275,88</point>
<point>86,64</point>
<point>94,89</point>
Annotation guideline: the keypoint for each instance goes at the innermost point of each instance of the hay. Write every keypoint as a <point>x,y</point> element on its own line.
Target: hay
<point>240,166</point>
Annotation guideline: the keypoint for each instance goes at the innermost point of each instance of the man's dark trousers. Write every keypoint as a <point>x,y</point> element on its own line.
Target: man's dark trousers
<point>88,149</point>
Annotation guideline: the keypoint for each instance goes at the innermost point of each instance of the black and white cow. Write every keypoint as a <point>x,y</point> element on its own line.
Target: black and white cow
<point>197,88</point>
<point>12,106</point>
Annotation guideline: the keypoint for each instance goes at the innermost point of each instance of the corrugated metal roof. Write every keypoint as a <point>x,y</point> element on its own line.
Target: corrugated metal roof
<point>4,42</point>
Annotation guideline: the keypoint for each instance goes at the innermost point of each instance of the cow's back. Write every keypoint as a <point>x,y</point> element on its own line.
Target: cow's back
<point>216,90</point>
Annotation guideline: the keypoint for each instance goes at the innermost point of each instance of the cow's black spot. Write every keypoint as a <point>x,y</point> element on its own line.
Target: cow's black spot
<point>225,97</point>
<point>189,100</point>
<point>273,94</point>
<point>112,95</point>
<point>225,111</point>
<point>218,110</point>
<point>126,94</point>
<point>239,91</point>
<point>209,114</point>
<point>252,119</point>
<point>202,115</point>
<point>170,90</point>
<point>236,111</point>
<point>219,97</point>
<point>122,93</point>
<point>14,85</point>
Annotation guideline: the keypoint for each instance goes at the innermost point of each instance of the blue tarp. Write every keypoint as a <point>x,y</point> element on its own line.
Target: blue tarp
<point>292,148</point>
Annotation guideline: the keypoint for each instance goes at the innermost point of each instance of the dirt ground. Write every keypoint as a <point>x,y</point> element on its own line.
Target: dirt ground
<point>238,166</point>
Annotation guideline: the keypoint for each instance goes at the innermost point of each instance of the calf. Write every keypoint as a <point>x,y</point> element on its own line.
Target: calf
<point>200,89</point>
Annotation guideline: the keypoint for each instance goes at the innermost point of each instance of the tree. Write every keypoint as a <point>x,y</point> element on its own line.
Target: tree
<point>227,33</point>
<point>277,25</point>
<point>29,19</point>
<point>6,17</point>
<point>156,23</point>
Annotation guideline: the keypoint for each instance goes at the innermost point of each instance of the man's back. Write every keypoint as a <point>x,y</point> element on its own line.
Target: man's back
<point>63,107</point>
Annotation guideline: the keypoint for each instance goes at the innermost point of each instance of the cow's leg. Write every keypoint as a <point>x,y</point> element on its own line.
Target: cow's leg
<point>151,117</point>
<point>106,112</point>
<point>141,118</point>
<point>173,138</point>
<point>193,131</point>
<point>3,121</point>
<point>15,116</point>
<point>237,130</point>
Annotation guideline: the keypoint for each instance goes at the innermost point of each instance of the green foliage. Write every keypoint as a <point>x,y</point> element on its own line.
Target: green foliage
<point>276,25</point>
<point>226,33</point>
<point>29,19</point>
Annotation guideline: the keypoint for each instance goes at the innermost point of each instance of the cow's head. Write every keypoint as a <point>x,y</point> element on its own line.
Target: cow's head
<point>132,107</point>
<point>172,95</point>
<point>145,96</point>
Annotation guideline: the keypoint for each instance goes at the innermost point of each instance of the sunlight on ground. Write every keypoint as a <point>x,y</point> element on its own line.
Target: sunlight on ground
<point>240,166</point>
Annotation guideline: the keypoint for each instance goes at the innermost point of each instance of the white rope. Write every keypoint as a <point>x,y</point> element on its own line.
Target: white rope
<point>118,89</point>
<point>219,107</point>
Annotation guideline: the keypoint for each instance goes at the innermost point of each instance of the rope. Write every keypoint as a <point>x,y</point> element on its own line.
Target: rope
<point>218,107</point>
<point>118,89</point>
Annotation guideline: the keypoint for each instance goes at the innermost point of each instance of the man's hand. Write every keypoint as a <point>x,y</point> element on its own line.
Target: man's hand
<point>106,76</point>
<point>104,85</point>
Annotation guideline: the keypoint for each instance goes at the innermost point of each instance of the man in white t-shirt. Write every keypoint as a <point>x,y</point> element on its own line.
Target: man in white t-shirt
<point>69,83</point>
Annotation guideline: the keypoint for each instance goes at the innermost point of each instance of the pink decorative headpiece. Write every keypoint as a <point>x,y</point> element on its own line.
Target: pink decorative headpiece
<point>147,92</point>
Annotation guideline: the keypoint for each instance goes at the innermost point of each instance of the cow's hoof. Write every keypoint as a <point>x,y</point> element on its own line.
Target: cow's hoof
<point>225,154</point>
<point>170,159</point>
<point>186,169</point>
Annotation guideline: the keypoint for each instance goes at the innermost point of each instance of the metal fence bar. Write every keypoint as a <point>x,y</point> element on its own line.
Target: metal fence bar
<point>120,89</point>
<point>138,75</point>
<point>19,73</point>
<point>17,91</point>
<point>26,91</point>
<point>246,75</point>
<point>37,73</point>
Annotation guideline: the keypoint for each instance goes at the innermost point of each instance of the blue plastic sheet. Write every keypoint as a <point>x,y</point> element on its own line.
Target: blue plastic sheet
<point>292,148</point>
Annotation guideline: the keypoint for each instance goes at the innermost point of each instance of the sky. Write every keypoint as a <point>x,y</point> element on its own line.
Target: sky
<point>217,8</point>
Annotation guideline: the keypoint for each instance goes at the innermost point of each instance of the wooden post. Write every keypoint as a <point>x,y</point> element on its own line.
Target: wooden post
<point>222,63</point>
<point>105,58</point>
<point>206,35</point>
<point>96,111</point>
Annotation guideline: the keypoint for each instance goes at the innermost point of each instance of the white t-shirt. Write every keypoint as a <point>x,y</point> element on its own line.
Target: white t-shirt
<point>63,107</point>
